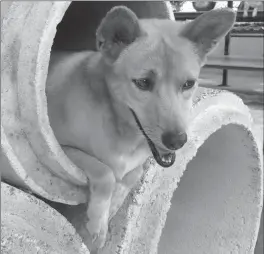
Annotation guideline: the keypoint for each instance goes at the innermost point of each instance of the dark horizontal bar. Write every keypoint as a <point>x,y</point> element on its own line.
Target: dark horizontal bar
<point>192,15</point>
<point>234,63</point>
<point>247,35</point>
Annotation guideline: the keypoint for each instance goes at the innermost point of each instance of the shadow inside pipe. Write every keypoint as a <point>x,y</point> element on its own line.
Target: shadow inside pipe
<point>216,206</point>
<point>78,27</point>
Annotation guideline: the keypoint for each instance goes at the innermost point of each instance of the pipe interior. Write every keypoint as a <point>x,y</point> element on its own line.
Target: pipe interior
<point>214,209</point>
<point>78,27</point>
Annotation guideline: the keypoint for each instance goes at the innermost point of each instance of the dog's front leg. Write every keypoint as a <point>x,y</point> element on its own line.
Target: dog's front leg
<point>123,188</point>
<point>102,183</point>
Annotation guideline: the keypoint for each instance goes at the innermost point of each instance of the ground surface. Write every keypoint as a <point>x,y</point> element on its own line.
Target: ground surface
<point>238,79</point>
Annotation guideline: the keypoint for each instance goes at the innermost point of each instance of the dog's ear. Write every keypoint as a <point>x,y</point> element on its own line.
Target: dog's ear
<point>208,29</point>
<point>119,28</point>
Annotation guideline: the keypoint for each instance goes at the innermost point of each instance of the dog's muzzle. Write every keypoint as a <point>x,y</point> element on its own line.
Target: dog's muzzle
<point>165,160</point>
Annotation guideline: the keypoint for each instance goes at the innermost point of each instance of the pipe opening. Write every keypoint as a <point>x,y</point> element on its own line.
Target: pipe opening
<point>214,207</point>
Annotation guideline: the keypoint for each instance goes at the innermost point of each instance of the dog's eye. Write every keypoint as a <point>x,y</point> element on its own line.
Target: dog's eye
<point>188,84</point>
<point>143,84</point>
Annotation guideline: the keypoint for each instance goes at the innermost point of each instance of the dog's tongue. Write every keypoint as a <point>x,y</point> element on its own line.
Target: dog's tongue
<point>165,160</point>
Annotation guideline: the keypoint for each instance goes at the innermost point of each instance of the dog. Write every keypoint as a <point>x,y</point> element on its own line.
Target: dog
<point>255,5</point>
<point>112,109</point>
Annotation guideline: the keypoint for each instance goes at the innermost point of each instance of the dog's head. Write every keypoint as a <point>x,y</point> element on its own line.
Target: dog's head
<point>154,66</point>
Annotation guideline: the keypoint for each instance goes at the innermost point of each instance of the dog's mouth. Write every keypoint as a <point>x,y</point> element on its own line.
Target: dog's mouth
<point>165,159</point>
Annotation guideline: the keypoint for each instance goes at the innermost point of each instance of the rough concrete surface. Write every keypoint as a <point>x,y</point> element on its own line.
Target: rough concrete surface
<point>27,138</point>
<point>212,195</point>
<point>257,112</point>
<point>30,226</point>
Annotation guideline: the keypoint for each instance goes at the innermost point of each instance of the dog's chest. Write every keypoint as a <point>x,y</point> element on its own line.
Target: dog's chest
<point>122,163</point>
<point>93,129</point>
<point>122,152</point>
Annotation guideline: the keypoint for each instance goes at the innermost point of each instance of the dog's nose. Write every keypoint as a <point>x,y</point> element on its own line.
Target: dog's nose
<point>174,141</point>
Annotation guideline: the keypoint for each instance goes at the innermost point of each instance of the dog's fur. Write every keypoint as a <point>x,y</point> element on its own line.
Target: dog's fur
<point>91,96</point>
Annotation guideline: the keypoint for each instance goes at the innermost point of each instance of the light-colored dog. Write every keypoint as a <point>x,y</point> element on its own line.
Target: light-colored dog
<point>110,110</point>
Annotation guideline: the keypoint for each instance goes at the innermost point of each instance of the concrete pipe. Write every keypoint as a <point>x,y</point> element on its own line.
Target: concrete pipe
<point>217,205</point>
<point>30,226</point>
<point>210,201</point>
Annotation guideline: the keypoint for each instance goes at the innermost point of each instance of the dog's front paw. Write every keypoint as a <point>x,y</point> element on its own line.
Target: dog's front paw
<point>98,228</point>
